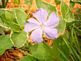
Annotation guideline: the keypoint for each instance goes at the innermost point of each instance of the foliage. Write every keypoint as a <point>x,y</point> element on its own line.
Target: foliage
<point>66,47</point>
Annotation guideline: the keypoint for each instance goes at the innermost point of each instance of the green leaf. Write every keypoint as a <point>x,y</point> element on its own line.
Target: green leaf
<point>2,30</point>
<point>8,19</point>
<point>16,1</point>
<point>28,58</point>
<point>78,15</point>
<point>1,21</point>
<point>5,43</point>
<point>48,7</point>
<point>14,18</point>
<point>61,50</point>
<point>0,0</point>
<point>41,51</point>
<point>19,39</point>
<point>78,1</point>
<point>20,16</point>
<point>74,53</point>
<point>57,1</point>
<point>61,26</point>
<point>17,15</point>
<point>66,13</point>
<point>9,15</point>
<point>28,2</point>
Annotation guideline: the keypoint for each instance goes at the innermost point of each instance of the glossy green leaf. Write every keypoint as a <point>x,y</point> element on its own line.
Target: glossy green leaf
<point>19,39</point>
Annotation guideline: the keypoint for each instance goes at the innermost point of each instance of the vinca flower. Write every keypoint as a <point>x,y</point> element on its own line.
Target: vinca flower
<point>42,24</point>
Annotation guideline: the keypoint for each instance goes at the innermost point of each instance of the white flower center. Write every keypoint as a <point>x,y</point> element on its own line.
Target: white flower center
<point>42,26</point>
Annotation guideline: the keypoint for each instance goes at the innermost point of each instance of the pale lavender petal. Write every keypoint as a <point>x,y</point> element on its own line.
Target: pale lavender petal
<point>36,35</point>
<point>34,21</point>
<point>41,15</point>
<point>30,26</point>
<point>53,20</point>
<point>51,33</point>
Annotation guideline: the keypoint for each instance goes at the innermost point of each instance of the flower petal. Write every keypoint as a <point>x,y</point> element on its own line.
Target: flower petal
<point>41,15</point>
<point>51,33</point>
<point>36,35</point>
<point>53,20</point>
<point>30,26</point>
<point>32,20</point>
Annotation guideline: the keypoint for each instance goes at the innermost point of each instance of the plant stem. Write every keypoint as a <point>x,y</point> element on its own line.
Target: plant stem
<point>4,2</point>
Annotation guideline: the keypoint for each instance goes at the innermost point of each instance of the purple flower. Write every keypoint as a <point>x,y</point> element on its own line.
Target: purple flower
<point>42,25</point>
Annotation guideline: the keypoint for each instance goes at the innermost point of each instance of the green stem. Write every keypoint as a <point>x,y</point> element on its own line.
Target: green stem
<point>67,43</point>
<point>4,2</point>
